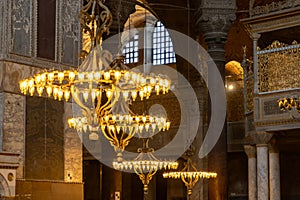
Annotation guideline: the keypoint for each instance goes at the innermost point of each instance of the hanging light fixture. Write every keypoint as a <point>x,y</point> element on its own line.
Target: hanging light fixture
<point>94,84</point>
<point>119,124</point>
<point>145,165</point>
<point>189,175</point>
<point>289,104</point>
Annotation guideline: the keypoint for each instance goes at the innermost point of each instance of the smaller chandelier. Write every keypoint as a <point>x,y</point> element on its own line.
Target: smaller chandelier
<point>189,175</point>
<point>289,104</point>
<point>145,165</point>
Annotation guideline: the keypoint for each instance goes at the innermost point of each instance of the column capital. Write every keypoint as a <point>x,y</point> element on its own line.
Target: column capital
<point>259,138</point>
<point>215,17</point>
<point>255,36</point>
<point>250,151</point>
<point>273,146</point>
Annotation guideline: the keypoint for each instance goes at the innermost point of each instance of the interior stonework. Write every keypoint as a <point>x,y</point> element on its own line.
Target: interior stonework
<point>257,155</point>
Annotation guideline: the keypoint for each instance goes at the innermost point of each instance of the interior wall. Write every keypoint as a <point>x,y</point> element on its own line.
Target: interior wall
<point>44,140</point>
<point>237,176</point>
<point>289,175</point>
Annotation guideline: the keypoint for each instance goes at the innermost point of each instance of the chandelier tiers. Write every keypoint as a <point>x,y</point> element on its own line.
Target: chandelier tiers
<point>145,165</point>
<point>119,124</point>
<point>97,85</point>
<point>189,175</point>
<point>289,104</point>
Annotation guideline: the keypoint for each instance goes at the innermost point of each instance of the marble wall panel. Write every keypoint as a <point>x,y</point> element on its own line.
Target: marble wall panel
<point>13,127</point>
<point>44,139</point>
<point>2,27</point>
<point>1,75</point>
<point>21,27</point>
<point>1,117</point>
<point>72,150</point>
<point>13,73</point>
<point>69,32</point>
<point>46,190</point>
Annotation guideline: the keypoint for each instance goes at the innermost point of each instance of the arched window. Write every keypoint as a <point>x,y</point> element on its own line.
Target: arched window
<point>163,52</point>
<point>131,50</point>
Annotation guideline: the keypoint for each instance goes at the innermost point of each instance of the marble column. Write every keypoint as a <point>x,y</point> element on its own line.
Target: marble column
<point>274,172</point>
<point>252,181</point>
<point>214,21</point>
<point>262,172</point>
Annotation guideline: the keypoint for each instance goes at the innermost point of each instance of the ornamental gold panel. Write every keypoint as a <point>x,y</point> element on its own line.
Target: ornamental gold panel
<point>249,94</point>
<point>279,67</point>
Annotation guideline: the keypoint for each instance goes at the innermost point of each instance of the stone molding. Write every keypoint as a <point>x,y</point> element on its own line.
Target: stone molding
<point>48,181</point>
<point>273,21</point>
<point>222,4</point>
<point>274,7</point>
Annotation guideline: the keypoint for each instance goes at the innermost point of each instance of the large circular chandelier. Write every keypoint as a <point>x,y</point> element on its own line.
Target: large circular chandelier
<point>189,175</point>
<point>98,83</point>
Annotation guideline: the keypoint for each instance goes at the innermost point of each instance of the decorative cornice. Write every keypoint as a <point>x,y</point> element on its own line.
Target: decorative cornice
<point>272,21</point>
<point>274,7</point>
<point>35,62</point>
<point>222,4</point>
<point>276,122</point>
<point>48,181</point>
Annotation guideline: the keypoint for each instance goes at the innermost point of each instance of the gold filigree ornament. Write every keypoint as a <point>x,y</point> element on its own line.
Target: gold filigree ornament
<point>289,104</point>
<point>97,84</point>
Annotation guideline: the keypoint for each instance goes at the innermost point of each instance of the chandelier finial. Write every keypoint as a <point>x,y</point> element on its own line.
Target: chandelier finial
<point>95,19</point>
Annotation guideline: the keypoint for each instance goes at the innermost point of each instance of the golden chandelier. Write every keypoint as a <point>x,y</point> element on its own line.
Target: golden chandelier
<point>98,84</point>
<point>189,175</point>
<point>145,165</point>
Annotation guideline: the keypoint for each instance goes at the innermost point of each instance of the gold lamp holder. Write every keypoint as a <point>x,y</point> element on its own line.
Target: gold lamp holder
<point>189,175</point>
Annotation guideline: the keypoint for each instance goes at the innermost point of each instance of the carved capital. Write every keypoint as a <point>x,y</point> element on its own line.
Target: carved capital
<point>273,146</point>
<point>259,138</point>
<point>255,36</point>
<point>262,138</point>
<point>216,16</point>
<point>250,151</point>
<point>215,22</point>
